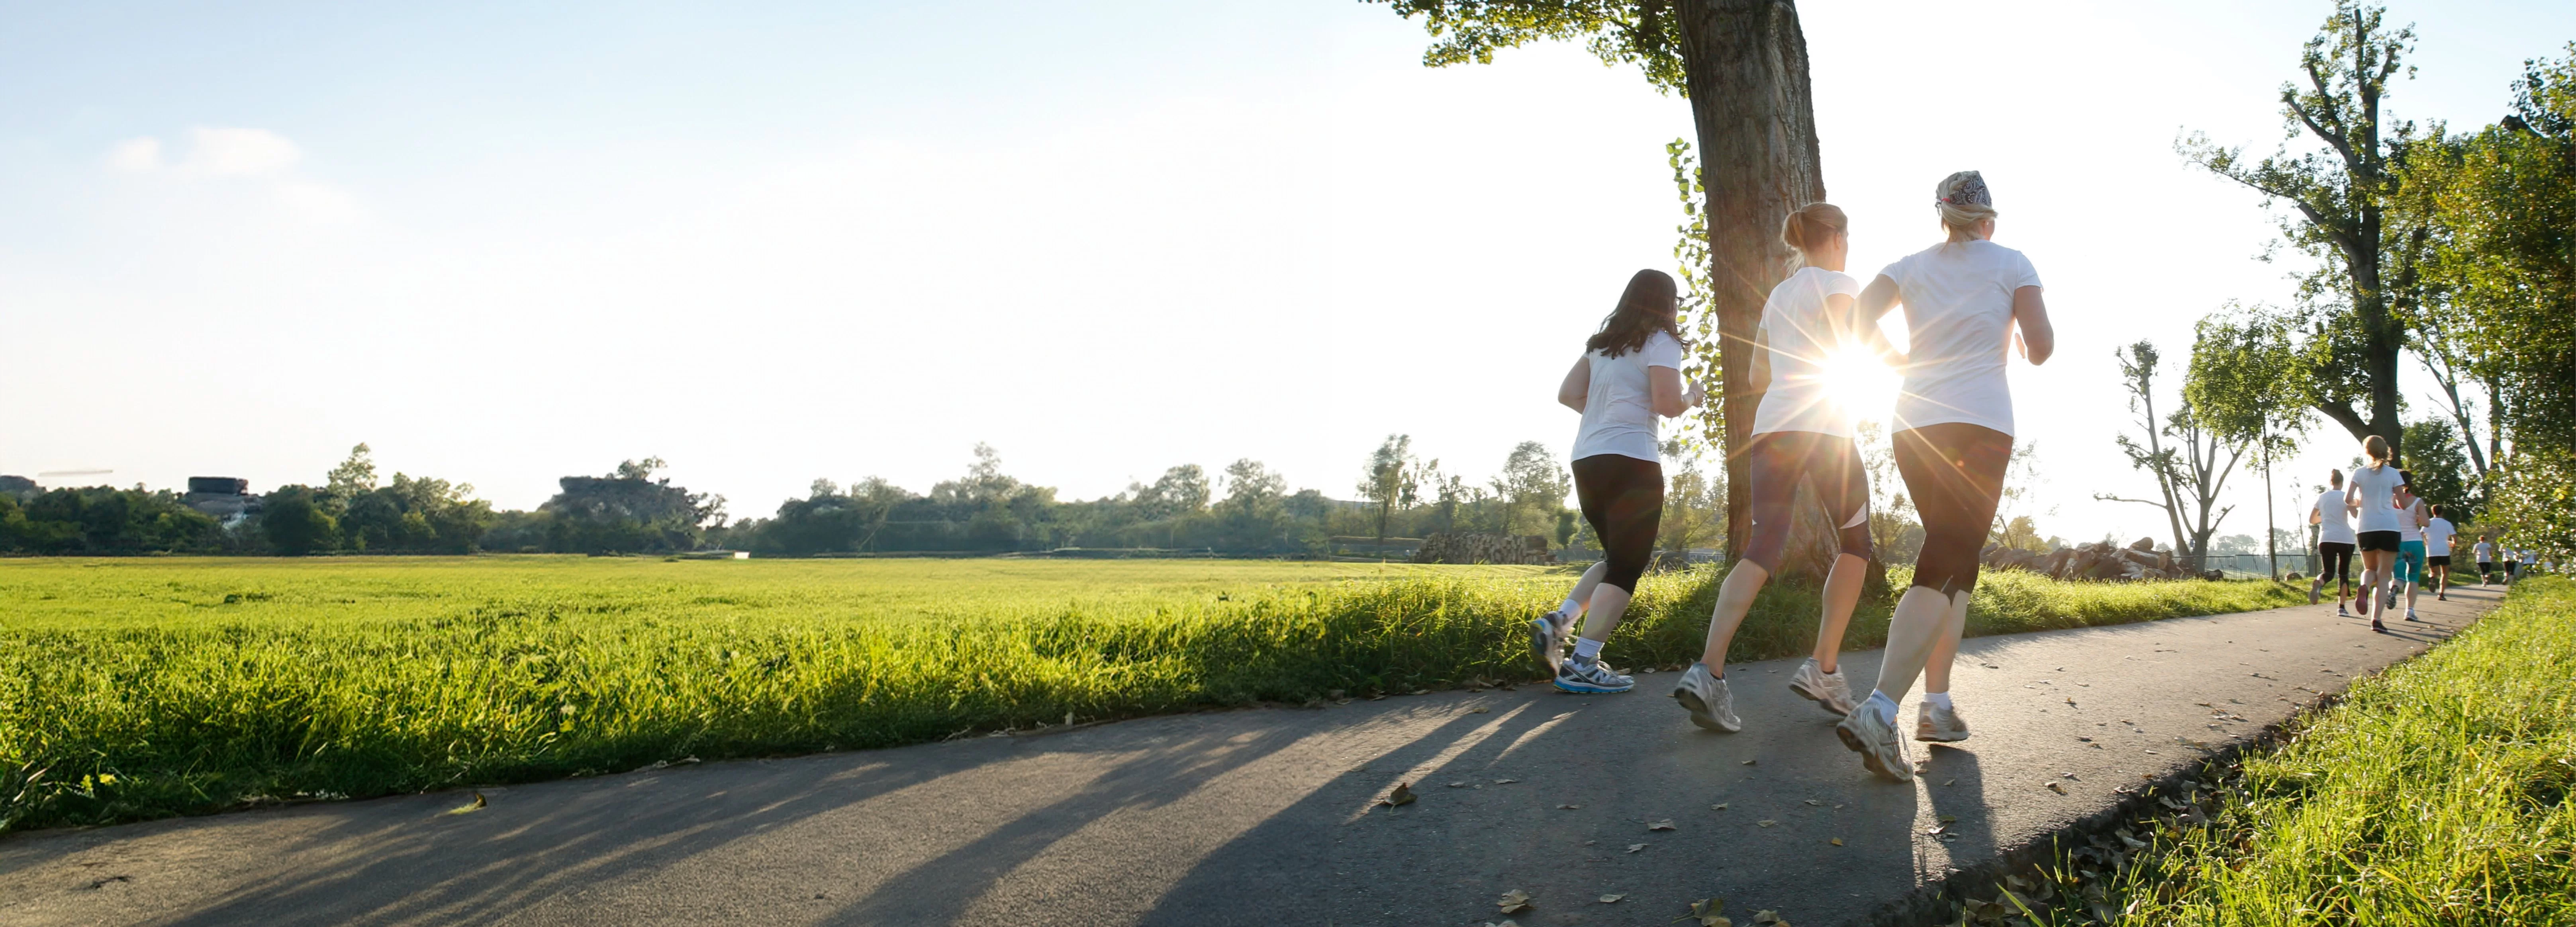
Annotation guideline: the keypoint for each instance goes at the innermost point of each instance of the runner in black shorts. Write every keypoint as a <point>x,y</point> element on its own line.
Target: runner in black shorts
<point>2374,489</point>
<point>2332,514</point>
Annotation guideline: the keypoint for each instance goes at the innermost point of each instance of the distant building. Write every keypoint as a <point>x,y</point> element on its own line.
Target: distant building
<point>227,499</point>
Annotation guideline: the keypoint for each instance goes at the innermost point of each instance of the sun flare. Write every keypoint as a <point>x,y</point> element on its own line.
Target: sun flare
<point>1864,386</point>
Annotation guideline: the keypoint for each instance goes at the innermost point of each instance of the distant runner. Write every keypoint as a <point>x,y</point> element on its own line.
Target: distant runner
<point>2437,552</point>
<point>2410,544</point>
<point>2332,514</point>
<point>2372,492</point>
<point>2486,562</point>
<point>1629,374</point>
<point>1801,436</point>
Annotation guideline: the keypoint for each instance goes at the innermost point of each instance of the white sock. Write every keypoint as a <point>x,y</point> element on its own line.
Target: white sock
<point>1941,699</point>
<point>1571,609</point>
<point>1886,707</point>
<point>1587,649</point>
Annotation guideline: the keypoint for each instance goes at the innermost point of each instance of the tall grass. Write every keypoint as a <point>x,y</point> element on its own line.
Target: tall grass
<point>403,679</point>
<point>2434,793</point>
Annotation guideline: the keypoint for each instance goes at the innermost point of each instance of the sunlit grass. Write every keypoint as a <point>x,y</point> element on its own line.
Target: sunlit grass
<point>139,688</point>
<point>2435,793</point>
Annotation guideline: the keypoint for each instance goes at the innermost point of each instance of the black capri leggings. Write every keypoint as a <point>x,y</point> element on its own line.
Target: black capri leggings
<point>1776,463</point>
<point>1623,498</point>
<point>1955,473</point>
<point>2337,557</point>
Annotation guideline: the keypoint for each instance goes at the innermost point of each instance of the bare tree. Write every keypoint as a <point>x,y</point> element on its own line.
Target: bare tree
<point>2184,457</point>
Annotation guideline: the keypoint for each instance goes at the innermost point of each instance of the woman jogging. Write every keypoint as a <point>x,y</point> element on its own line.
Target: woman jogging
<point>2374,488</point>
<point>2438,532</point>
<point>1800,435</point>
<point>1953,438</point>
<point>2332,514</point>
<point>2410,545</point>
<point>2486,561</point>
<point>1630,373</point>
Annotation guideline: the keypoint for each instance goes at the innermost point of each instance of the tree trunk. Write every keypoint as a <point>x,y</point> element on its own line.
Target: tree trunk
<point>1745,68</point>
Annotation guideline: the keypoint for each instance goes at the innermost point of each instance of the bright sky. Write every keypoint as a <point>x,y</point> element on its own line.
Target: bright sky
<point>504,243</point>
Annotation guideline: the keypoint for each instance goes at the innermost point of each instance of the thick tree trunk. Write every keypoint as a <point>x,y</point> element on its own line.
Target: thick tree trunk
<point>1745,64</point>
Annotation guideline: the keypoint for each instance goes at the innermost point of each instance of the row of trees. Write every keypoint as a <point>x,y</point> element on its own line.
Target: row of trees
<point>2452,249</point>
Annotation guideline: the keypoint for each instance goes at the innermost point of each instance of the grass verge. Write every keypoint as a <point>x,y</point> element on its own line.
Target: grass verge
<point>2436,792</point>
<point>415,685</point>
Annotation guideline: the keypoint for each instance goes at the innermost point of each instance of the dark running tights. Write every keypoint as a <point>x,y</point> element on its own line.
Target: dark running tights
<point>1955,473</point>
<point>1776,462</point>
<point>2337,558</point>
<point>1623,498</point>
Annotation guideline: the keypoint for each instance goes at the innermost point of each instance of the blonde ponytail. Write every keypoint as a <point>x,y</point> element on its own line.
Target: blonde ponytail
<point>1810,227</point>
<point>1963,201</point>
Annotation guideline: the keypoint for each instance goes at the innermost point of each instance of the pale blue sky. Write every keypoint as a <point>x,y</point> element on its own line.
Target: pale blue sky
<point>503,244</point>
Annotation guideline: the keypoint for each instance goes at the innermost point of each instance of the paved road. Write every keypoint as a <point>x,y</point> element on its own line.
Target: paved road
<point>1264,817</point>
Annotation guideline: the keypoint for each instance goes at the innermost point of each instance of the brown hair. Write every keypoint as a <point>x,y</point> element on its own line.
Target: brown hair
<point>2336,477</point>
<point>1810,227</point>
<point>2376,448</point>
<point>1649,305</point>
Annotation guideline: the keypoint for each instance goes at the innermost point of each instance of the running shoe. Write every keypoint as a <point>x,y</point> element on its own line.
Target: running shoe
<point>2374,625</point>
<point>1547,638</point>
<point>2392,601</point>
<point>1875,740</point>
<point>1590,677</point>
<point>2361,603</point>
<point>2312,595</point>
<point>2442,596</point>
<point>2410,615</point>
<point>1827,690</point>
<point>1935,724</point>
<point>1711,706</point>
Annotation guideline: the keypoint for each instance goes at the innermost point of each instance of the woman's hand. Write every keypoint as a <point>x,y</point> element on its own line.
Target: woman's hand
<point>1697,395</point>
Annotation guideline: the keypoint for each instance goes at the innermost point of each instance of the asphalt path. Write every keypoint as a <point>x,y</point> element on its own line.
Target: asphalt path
<point>1271,816</point>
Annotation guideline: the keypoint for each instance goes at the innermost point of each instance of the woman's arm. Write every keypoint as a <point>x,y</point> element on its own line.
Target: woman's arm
<point>2038,338</point>
<point>1877,298</point>
<point>1761,379</point>
<point>1664,386</point>
<point>1577,385</point>
<point>1864,331</point>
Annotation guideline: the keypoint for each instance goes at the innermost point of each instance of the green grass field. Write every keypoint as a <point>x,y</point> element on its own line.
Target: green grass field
<point>2435,793</point>
<point>138,688</point>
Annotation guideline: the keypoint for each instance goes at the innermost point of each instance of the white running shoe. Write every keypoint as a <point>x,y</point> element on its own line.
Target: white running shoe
<point>1827,690</point>
<point>1590,677</point>
<point>2342,612</point>
<point>1938,725</point>
<point>2410,615</point>
<point>1547,638</point>
<point>1711,706</point>
<point>1875,740</point>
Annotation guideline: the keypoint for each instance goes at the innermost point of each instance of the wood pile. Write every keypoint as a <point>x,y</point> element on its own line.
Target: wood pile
<point>2099,560</point>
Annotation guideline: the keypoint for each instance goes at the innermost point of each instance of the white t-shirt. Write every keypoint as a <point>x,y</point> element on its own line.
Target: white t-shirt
<point>2437,537</point>
<point>2530,557</point>
<point>2374,487</point>
<point>2406,527</point>
<point>1619,409</point>
<point>1958,317</point>
<point>2486,552</point>
<point>1802,332</point>
<point>2336,526</point>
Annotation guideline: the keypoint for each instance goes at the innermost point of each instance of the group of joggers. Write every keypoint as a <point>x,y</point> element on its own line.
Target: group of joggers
<point>2404,542</point>
<point>1952,438</point>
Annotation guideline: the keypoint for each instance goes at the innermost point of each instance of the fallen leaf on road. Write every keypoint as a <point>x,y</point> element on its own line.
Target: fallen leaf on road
<point>1514,901</point>
<point>2070,701</point>
<point>1403,795</point>
<point>1814,802</point>
<point>1951,782</point>
<point>1934,831</point>
<point>1636,848</point>
<point>1457,785</point>
<point>1838,841</point>
<point>1720,806</point>
<point>469,809</point>
<point>1479,710</point>
<point>1769,919</point>
<point>1611,899</point>
<point>1748,762</point>
<point>1505,781</point>
<point>1949,819</point>
<point>2059,789</point>
<point>1665,824</point>
<point>1706,911</point>
<point>1766,822</point>
<point>1568,807</point>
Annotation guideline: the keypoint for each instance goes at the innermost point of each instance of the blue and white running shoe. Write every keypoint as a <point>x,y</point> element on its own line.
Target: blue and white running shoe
<point>1591,677</point>
<point>1547,638</point>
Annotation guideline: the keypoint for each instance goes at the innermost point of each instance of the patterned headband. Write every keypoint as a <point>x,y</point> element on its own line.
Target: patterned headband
<point>1971,191</point>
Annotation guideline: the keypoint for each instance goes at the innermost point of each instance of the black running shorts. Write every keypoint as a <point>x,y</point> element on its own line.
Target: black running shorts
<point>2441,561</point>
<point>2379,540</point>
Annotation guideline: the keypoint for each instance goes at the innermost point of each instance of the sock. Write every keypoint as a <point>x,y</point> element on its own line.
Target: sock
<point>1571,609</point>
<point>1587,649</point>
<point>1884,706</point>
<point>1941,699</point>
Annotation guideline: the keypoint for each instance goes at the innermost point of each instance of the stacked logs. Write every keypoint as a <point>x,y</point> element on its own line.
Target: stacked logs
<point>2099,561</point>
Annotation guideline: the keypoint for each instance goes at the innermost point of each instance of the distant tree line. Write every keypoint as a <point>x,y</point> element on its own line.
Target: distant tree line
<point>1245,509</point>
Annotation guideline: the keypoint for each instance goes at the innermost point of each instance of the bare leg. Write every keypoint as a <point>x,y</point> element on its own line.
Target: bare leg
<point>1936,671</point>
<point>1842,594</point>
<point>1583,586</point>
<point>1921,620</point>
<point>1609,604</point>
<point>1734,599</point>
